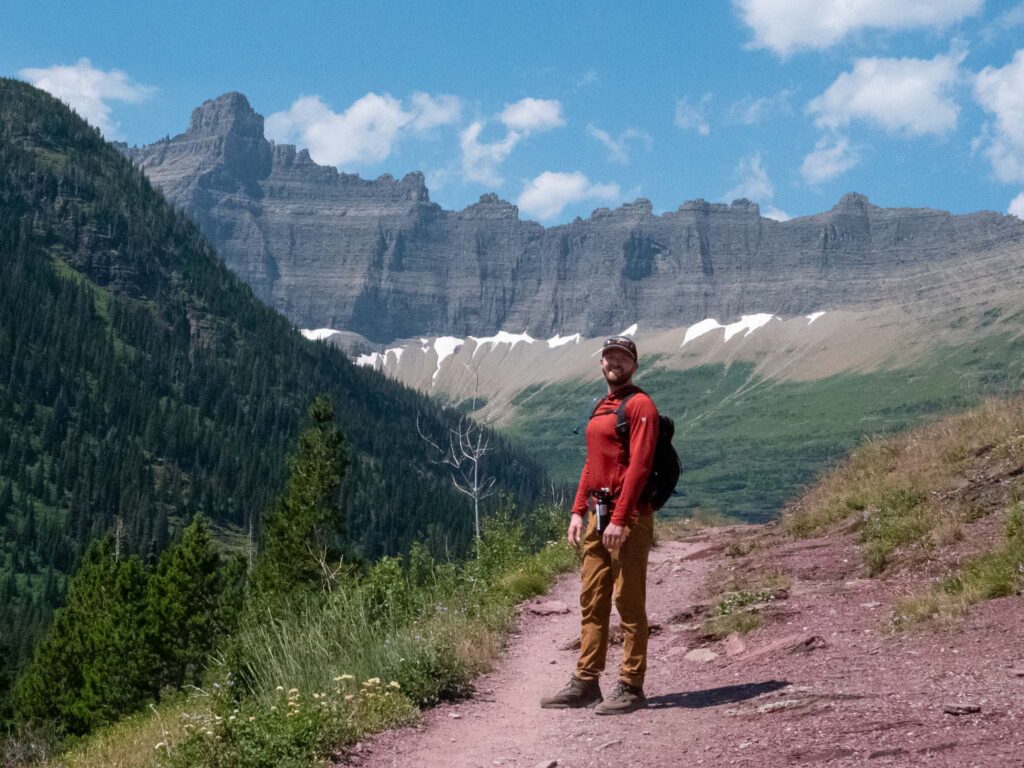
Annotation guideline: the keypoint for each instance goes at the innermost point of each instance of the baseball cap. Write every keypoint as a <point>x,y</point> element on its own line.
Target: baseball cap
<point>620,342</point>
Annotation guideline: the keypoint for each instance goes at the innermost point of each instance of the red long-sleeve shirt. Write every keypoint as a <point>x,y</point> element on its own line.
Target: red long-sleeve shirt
<point>605,467</point>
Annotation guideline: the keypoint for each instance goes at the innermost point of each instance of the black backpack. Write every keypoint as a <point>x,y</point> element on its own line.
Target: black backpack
<point>665,468</point>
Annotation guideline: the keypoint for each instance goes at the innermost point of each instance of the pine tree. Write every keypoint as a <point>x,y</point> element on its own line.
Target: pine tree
<point>5,683</point>
<point>184,605</point>
<point>94,665</point>
<point>303,527</point>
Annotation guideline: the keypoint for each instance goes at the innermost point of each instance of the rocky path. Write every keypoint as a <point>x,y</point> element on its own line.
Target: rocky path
<point>822,683</point>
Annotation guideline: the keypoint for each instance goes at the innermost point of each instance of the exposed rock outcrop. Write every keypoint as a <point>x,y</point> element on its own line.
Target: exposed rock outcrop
<point>378,258</point>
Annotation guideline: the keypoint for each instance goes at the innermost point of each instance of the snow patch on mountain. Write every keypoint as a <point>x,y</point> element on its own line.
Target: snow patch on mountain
<point>558,341</point>
<point>319,334</point>
<point>502,337</point>
<point>631,331</point>
<point>746,325</point>
<point>445,346</point>
<point>699,329</point>
<point>370,360</point>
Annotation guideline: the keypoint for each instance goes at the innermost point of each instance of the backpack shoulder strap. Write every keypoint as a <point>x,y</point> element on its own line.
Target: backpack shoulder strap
<point>621,419</point>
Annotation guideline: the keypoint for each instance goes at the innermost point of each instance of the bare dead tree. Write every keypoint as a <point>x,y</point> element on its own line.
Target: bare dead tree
<point>318,550</point>
<point>118,536</point>
<point>468,443</point>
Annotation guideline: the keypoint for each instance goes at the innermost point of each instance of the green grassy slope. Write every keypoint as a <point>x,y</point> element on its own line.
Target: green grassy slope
<point>747,444</point>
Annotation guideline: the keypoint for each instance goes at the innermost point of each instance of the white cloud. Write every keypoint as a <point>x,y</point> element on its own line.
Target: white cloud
<point>1001,92</point>
<point>434,111</point>
<point>754,183</point>
<point>785,26</point>
<point>530,115</point>
<point>904,96</point>
<point>693,117</point>
<point>618,148</point>
<point>365,133</point>
<point>749,110</point>
<point>771,212</point>
<point>88,90</point>
<point>481,161</point>
<point>828,160</point>
<point>1017,206</point>
<point>1006,22</point>
<point>547,195</point>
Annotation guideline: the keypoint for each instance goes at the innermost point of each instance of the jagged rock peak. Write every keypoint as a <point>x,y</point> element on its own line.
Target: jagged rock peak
<point>854,201</point>
<point>490,198</point>
<point>227,114</point>
<point>490,206</point>
<point>743,204</point>
<point>640,207</point>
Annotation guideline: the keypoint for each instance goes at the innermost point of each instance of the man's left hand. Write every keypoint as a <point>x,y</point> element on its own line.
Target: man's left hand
<point>614,536</point>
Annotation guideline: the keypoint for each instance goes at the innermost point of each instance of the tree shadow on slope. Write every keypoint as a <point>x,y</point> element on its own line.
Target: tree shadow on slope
<point>712,697</point>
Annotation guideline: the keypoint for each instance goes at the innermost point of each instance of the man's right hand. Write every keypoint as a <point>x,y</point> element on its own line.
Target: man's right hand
<point>575,532</point>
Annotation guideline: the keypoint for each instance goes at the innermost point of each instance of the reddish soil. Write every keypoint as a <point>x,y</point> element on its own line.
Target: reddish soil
<point>823,682</point>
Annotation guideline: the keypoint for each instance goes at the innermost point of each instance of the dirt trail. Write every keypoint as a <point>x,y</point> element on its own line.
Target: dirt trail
<point>822,683</point>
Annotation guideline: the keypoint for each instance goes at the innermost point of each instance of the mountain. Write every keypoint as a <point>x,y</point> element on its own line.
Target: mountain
<point>378,258</point>
<point>142,382</point>
<point>776,346</point>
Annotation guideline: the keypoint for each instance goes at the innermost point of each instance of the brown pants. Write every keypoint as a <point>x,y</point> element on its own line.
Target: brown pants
<point>625,573</point>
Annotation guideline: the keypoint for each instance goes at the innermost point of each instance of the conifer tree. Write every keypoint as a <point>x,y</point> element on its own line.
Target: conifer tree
<point>5,683</point>
<point>94,665</point>
<point>184,605</point>
<point>302,530</point>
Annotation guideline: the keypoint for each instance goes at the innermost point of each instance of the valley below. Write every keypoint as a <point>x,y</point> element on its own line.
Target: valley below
<point>762,406</point>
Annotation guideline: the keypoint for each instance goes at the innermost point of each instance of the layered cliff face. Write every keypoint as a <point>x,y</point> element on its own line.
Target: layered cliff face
<point>377,258</point>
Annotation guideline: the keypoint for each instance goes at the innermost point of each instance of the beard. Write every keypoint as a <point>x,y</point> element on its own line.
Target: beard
<point>617,378</point>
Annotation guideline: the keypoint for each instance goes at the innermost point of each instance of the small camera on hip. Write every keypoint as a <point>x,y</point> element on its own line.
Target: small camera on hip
<point>603,507</point>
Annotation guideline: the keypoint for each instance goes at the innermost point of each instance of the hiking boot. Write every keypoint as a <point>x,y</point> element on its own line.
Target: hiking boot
<point>577,693</point>
<point>625,698</point>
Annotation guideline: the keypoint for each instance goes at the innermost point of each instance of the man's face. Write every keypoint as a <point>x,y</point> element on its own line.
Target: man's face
<point>618,366</point>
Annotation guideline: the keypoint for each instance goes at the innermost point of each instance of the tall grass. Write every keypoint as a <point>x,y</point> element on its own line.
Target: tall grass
<point>888,487</point>
<point>901,495</point>
<point>431,626</point>
<point>305,675</point>
<point>995,573</point>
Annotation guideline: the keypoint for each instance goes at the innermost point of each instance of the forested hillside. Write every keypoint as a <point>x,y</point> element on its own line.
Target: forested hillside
<point>142,383</point>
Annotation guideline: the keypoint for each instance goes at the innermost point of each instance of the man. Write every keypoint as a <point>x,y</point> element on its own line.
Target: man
<point>615,550</point>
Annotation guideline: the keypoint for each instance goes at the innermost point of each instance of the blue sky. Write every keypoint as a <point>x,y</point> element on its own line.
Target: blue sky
<point>562,108</point>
